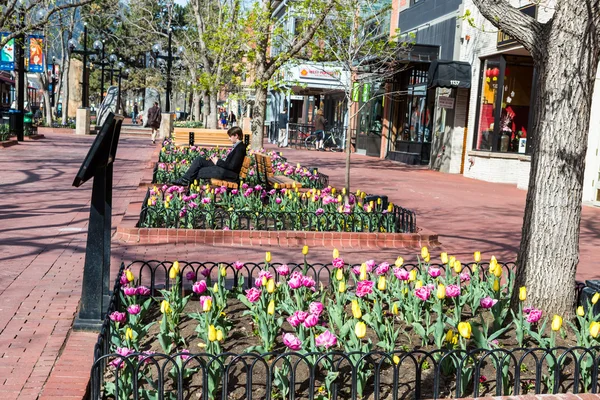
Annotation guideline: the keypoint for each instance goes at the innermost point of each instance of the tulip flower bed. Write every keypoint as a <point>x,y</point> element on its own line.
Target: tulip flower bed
<point>335,331</point>
<point>255,208</point>
<point>175,161</point>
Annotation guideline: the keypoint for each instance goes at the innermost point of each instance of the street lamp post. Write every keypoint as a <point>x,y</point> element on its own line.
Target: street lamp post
<point>85,91</point>
<point>99,46</point>
<point>111,60</point>
<point>121,74</point>
<point>19,44</point>
<point>52,83</point>
<point>169,59</point>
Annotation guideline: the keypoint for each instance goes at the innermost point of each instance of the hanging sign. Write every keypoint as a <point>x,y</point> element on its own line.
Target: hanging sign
<point>36,55</point>
<point>446,102</point>
<point>7,55</point>
<point>355,91</point>
<point>366,92</point>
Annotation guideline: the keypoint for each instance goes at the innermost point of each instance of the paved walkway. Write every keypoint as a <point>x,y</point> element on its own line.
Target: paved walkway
<point>42,237</point>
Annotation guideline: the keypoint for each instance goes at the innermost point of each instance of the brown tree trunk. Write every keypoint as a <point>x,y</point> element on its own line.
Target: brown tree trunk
<point>213,114</point>
<point>349,142</point>
<point>258,117</point>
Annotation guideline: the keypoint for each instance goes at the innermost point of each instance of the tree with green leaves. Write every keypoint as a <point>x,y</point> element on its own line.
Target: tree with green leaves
<point>565,52</point>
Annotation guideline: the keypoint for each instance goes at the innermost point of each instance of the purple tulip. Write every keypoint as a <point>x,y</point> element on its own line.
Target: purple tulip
<point>292,342</point>
<point>142,291</point>
<point>118,317</point>
<point>199,287</point>
<point>434,272</point>
<point>319,211</point>
<point>465,277</point>
<point>190,275</point>
<point>311,321</point>
<point>238,265</point>
<point>487,302</point>
<point>123,279</point>
<point>130,291</point>
<point>278,200</point>
<point>308,282</point>
<point>534,316</point>
<point>134,309</point>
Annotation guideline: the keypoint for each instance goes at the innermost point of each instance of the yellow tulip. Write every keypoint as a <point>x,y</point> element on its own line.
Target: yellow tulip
<point>496,285</point>
<point>270,285</point>
<point>202,345</point>
<point>556,322</point>
<point>219,335</point>
<point>356,311</point>
<point>424,251</point>
<point>223,272</point>
<point>405,291</point>
<point>268,257</point>
<point>212,333</point>
<point>427,258</point>
<point>497,271</point>
<point>363,272</point>
<point>149,202</point>
<point>381,285</point>
<point>271,308</point>
<point>263,281</point>
<point>216,288</point>
<point>399,262</point>
<point>594,329</point>
<point>522,293</point>
<point>457,266</point>
<point>449,336</point>
<point>336,253</point>
<point>451,260</point>
<point>441,292</point>
<point>332,190</point>
<point>128,334</point>
<point>174,271</point>
<point>339,198</point>
<point>339,274</point>
<point>395,309</point>
<point>444,258</point>
<point>195,182</point>
<point>165,307</point>
<point>396,360</point>
<point>390,207</point>
<point>305,250</point>
<point>129,275</point>
<point>580,311</point>
<point>412,275</point>
<point>418,285</point>
<point>360,329</point>
<point>477,256</point>
<point>166,204</point>
<point>464,328</point>
<point>342,287</point>
<point>595,298</point>
<point>344,191</point>
<point>207,305</point>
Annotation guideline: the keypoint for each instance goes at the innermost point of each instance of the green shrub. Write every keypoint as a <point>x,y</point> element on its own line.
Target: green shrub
<point>188,124</point>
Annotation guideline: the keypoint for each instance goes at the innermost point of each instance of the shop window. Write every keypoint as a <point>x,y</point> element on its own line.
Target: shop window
<point>504,107</point>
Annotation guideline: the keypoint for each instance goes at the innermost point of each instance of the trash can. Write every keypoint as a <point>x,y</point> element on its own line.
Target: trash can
<point>13,121</point>
<point>27,123</point>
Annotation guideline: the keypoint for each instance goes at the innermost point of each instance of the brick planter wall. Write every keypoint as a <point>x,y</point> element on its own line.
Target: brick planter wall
<point>8,143</point>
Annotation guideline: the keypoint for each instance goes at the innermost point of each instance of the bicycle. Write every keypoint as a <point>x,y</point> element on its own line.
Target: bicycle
<point>332,140</point>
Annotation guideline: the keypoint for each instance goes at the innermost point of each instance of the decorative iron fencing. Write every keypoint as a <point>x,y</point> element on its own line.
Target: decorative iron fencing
<point>398,220</point>
<point>400,374</point>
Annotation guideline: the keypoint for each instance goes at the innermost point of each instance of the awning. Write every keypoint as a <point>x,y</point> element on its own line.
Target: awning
<point>449,74</point>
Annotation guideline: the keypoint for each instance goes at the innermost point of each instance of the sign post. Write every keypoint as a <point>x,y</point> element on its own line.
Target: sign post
<point>98,164</point>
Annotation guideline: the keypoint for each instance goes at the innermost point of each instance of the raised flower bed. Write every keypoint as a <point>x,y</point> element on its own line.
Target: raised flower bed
<point>335,331</point>
<point>253,208</point>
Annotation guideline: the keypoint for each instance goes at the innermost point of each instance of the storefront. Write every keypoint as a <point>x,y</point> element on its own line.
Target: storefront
<point>371,101</point>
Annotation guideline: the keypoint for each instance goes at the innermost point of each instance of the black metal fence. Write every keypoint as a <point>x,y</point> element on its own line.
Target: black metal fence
<point>397,375</point>
<point>399,220</point>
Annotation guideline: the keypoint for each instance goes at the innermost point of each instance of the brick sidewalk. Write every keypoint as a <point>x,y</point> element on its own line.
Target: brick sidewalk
<point>43,238</point>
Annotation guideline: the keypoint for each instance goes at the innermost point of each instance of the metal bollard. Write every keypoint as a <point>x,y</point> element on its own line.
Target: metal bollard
<point>192,138</point>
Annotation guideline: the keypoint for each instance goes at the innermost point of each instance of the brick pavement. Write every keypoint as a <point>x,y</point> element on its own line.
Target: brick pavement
<point>42,232</point>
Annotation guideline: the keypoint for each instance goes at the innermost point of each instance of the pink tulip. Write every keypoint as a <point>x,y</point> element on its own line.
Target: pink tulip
<point>123,352</point>
<point>264,274</point>
<point>204,299</point>
<point>293,320</point>
<point>308,282</point>
<point>142,291</point>
<point>301,315</point>
<point>130,291</point>
<point>292,342</point>
<point>118,316</point>
<point>190,275</point>
<point>452,290</point>
<point>370,265</point>
<point>364,288</point>
<point>283,270</point>
<point>296,280</point>
<point>356,270</point>
<point>382,269</point>
<point>199,287</point>
<point>527,310</point>
<point>487,302</point>
<point>534,316</point>
<point>253,295</point>
<point>238,265</point>
<point>326,339</point>
<point>402,274</point>
<point>134,309</point>
<point>315,308</point>
<point>465,277</point>
<point>337,263</point>
<point>434,272</point>
<point>123,279</point>
<point>185,354</point>
<point>311,321</point>
<point>423,293</point>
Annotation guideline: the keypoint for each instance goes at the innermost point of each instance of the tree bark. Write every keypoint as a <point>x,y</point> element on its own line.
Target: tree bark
<point>65,90</point>
<point>349,143</point>
<point>258,117</point>
<point>213,114</point>
<point>566,51</point>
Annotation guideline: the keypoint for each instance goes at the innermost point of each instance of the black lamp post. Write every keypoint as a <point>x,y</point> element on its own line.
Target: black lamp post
<point>121,74</point>
<point>156,49</point>
<point>85,92</point>
<point>52,81</point>
<point>99,46</point>
<point>20,56</point>
<point>111,60</point>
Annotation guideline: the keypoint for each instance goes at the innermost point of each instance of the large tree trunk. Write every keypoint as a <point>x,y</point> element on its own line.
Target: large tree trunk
<point>566,51</point>
<point>213,114</point>
<point>258,117</point>
<point>348,143</point>
<point>47,108</point>
<point>205,108</point>
<point>65,90</point>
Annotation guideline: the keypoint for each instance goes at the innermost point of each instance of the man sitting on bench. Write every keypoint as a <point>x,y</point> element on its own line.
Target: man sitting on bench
<point>228,170</point>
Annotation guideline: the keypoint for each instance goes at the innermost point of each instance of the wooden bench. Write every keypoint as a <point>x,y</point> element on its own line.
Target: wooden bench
<point>234,185</point>
<point>204,137</point>
<point>264,169</point>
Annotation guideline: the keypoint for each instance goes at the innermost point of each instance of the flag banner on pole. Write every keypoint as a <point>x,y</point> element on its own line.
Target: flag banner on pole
<point>355,91</point>
<point>366,94</point>
<point>36,55</point>
<point>7,55</point>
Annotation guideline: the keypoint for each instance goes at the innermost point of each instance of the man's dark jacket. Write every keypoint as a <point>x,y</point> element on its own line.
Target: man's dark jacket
<point>228,169</point>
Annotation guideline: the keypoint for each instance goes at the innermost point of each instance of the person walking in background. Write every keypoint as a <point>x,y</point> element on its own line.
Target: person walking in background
<point>232,119</point>
<point>134,113</point>
<point>320,122</point>
<point>154,120</point>
<point>223,118</point>
<point>282,121</point>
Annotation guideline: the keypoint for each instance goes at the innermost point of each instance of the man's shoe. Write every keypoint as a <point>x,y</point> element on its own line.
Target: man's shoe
<point>180,182</point>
